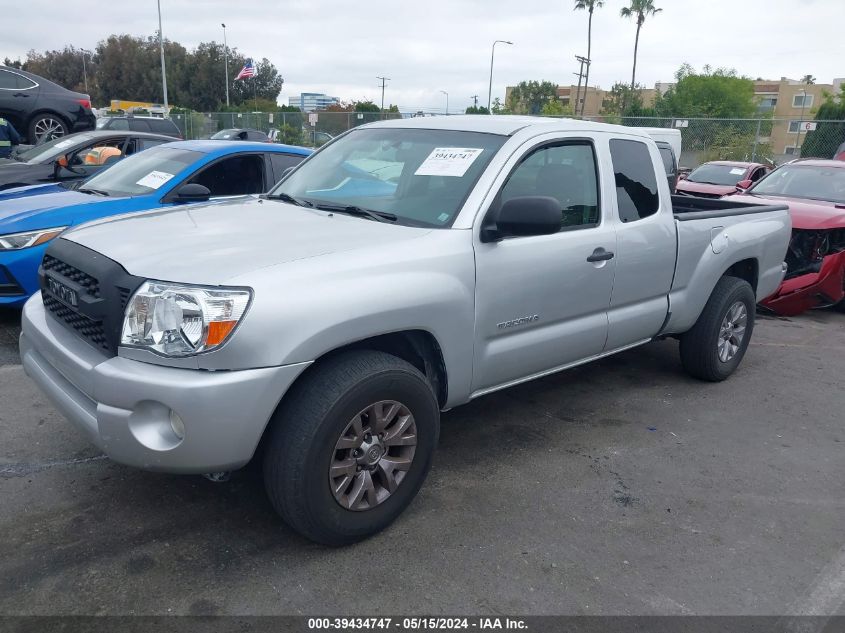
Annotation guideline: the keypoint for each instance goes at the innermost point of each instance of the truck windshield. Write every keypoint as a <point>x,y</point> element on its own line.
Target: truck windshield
<point>711,174</point>
<point>413,176</point>
<point>812,182</point>
<point>141,173</point>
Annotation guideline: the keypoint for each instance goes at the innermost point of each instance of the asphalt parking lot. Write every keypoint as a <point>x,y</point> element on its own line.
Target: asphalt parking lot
<point>621,487</point>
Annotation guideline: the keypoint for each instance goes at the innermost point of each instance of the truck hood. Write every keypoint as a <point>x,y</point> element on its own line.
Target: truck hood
<point>806,214</point>
<point>705,187</point>
<point>210,244</point>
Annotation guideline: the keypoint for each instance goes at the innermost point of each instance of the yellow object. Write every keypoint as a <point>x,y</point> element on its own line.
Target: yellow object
<point>99,155</point>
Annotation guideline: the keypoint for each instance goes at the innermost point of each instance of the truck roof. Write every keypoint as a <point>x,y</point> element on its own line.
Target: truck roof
<point>504,124</point>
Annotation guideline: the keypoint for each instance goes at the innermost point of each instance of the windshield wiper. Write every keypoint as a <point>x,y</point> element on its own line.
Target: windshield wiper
<point>378,216</point>
<point>98,192</point>
<point>284,197</point>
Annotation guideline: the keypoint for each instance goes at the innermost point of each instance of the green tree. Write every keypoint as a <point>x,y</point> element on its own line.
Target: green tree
<point>639,9</point>
<point>622,101</point>
<point>13,63</point>
<point>830,129</point>
<point>64,67</point>
<point>529,97</point>
<point>716,93</point>
<point>498,107</point>
<point>555,107</point>
<point>266,84</point>
<point>477,110</point>
<point>589,6</point>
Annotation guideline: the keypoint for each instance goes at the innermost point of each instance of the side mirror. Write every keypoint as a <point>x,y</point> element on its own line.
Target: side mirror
<point>742,185</point>
<point>193,192</point>
<point>525,216</point>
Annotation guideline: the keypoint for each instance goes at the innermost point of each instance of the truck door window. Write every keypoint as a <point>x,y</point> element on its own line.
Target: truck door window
<point>636,184</point>
<point>233,176</point>
<point>565,172</point>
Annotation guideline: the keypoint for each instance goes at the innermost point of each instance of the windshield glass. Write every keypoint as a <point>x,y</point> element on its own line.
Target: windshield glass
<point>142,173</point>
<point>420,176</point>
<point>717,174</point>
<point>224,134</point>
<point>804,181</point>
<point>52,149</point>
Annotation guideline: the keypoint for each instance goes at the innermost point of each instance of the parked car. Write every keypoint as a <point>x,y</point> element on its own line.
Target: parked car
<point>41,110</point>
<point>152,124</point>
<point>241,134</point>
<point>720,178</point>
<point>164,176</point>
<point>73,157</point>
<point>409,267</point>
<point>814,191</point>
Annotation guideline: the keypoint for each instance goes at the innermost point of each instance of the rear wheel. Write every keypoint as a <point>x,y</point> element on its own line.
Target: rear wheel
<point>46,127</point>
<point>350,446</point>
<point>714,347</point>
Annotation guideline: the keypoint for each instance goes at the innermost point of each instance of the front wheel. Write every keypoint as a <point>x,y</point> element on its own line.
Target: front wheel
<point>714,347</point>
<point>350,446</point>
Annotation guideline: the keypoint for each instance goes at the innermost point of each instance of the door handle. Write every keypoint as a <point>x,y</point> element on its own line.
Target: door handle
<point>600,255</point>
<point>20,94</point>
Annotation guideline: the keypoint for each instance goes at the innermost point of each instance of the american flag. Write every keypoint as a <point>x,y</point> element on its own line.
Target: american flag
<point>247,71</point>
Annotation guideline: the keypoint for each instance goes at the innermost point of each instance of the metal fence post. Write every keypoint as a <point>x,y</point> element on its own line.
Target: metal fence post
<point>756,140</point>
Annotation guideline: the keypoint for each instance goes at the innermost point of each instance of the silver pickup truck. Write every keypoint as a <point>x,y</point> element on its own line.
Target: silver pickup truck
<point>407,267</point>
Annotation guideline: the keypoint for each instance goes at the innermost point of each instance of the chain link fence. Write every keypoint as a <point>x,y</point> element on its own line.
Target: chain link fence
<point>771,141</point>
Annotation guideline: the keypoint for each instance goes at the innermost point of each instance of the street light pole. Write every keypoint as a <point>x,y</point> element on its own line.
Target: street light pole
<point>226,61</point>
<point>447,101</point>
<point>84,70</point>
<point>163,71</point>
<point>490,88</point>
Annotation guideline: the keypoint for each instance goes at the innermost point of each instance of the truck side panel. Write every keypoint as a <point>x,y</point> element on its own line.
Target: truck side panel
<point>708,248</point>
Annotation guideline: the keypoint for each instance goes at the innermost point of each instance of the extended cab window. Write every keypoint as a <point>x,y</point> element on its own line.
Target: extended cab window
<point>636,184</point>
<point>565,172</point>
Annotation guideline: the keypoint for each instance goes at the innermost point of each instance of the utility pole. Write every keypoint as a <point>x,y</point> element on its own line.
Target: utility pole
<point>447,101</point>
<point>383,81</point>
<point>474,101</point>
<point>583,60</point>
<point>84,70</point>
<point>163,71</point>
<point>226,61</point>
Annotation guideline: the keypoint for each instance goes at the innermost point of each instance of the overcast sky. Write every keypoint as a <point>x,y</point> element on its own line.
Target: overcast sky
<point>424,46</point>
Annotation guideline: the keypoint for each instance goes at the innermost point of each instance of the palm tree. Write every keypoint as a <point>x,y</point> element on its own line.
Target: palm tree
<point>639,9</point>
<point>590,6</point>
<point>808,79</point>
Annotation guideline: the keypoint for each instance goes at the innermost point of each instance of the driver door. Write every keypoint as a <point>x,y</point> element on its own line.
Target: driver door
<point>542,301</point>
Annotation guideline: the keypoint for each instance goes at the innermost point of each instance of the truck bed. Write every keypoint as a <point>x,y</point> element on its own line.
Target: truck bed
<point>686,208</point>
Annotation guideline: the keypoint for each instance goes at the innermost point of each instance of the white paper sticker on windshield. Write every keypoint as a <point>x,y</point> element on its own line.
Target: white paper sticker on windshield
<point>154,179</point>
<point>737,171</point>
<point>448,161</point>
<point>63,144</point>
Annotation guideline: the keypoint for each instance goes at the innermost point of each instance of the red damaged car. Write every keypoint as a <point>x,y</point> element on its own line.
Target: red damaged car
<point>720,178</point>
<point>815,192</point>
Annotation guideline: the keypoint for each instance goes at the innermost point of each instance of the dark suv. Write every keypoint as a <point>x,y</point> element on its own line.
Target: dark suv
<point>152,124</point>
<point>41,110</point>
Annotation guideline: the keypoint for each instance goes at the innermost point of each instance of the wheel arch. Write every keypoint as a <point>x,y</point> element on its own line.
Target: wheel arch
<point>747,269</point>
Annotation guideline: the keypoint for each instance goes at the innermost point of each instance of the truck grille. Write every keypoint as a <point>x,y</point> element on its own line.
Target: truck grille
<point>89,329</point>
<point>86,292</point>
<point>91,285</point>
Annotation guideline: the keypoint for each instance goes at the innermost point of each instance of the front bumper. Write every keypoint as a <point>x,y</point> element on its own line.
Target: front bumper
<point>20,269</point>
<point>813,290</point>
<point>124,406</point>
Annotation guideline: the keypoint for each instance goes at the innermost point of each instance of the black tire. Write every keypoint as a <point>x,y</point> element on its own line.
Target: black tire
<point>839,307</point>
<point>50,120</point>
<point>309,422</point>
<point>699,346</point>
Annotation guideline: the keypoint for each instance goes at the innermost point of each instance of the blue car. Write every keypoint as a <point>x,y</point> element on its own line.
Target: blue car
<point>174,173</point>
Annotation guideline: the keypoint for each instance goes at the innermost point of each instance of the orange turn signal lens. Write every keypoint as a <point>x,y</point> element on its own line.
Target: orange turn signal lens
<point>218,331</point>
<point>46,237</point>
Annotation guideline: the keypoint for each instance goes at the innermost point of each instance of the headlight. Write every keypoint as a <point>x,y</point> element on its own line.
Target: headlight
<point>17,241</point>
<point>178,320</point>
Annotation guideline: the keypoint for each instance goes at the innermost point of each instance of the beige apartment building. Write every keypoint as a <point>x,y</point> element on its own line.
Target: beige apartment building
<point>787,101</point>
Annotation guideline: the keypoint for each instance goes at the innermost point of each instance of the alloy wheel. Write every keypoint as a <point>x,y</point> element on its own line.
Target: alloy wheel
<point>373,455</point>
<point>732,331</point>
<point>48,128</point>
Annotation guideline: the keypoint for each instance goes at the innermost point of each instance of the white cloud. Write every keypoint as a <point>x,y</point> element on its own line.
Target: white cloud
<point>339,47</point>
